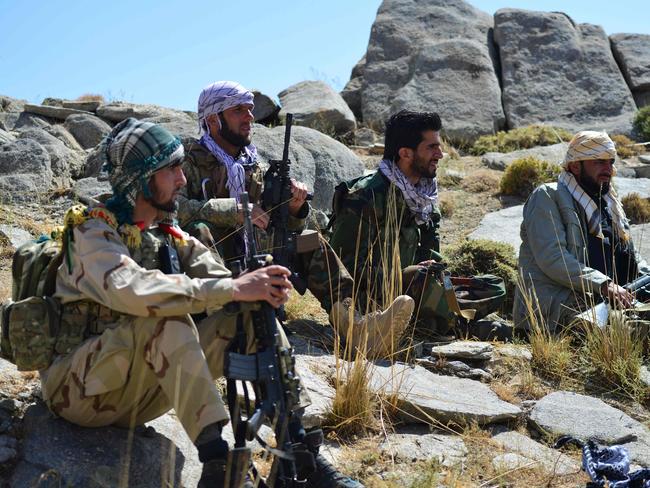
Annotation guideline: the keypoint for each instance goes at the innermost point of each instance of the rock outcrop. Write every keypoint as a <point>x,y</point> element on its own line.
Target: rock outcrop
<point>632,52</point>
<point>561,73</point>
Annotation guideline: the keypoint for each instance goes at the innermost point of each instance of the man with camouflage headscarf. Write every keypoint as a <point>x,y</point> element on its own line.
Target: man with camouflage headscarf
<point>222,164</point>
<point>128,349</point>
<point>576,244</point>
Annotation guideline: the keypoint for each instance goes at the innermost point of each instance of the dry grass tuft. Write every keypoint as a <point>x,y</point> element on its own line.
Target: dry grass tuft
<point>447,203</point>
<point>553,355</point>
<point>449,150</point>
<point>521,138</point>
<point>625,147</point>
<point>91,97</point>
<point>614,355</point>
<point>526,174</point>
<point>636,208</point>
<point>481,181</point>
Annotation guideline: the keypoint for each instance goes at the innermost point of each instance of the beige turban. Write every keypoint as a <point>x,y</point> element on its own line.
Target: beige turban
<point>589,144</point>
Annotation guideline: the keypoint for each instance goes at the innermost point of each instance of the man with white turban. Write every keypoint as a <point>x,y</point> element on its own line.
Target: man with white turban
<point>576,247</point>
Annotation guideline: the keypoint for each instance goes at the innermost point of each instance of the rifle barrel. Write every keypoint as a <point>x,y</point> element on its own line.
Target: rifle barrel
<point>287,137</point>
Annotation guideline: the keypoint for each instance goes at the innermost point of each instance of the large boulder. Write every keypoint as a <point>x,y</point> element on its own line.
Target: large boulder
<point>352,91</point>
<point>52,111</point>
<point>316,105</point>
<point>87,129</point>
<point>10,109</point>
<point>180,124</point>
<point>118,111</point>
<point>266,109</point>
<point>433,56</point>
<point>25,170</point>
<point>632,52</point>
<point>553,154</point>
<point>317,160</point>
<point>65,162</point>
<point>559,73</point>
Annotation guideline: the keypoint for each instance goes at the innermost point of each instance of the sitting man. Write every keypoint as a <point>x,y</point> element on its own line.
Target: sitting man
<point>397,206</point>
<point>128,349</point>
<point>576,245</point>
<point>221,165</point>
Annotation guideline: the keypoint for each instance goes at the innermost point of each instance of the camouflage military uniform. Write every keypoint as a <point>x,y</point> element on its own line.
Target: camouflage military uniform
<point>206,204</point>
<point>129,349</point>
<point>370,216</point>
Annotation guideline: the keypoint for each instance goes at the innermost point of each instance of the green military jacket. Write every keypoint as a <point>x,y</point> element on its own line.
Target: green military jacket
<point>370,215</point>
<point>206,198</point>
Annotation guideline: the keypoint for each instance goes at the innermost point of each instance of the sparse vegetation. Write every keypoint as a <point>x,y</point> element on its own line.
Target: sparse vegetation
<point>481,181</point>
<point>521,138</point>
<point>636,208</point>
<point>526,174</point>
<point>91,97</point>
<point>641,124</point>
<point>446,202</point>
<point>625,147</point>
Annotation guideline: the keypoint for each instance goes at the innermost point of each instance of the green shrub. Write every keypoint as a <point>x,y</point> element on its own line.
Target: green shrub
<point>625,147</point>
<point>526,174</point>
<point>521,138</point>
<point>636,208</point>
<point>482,256</point>
<point>641,124</point>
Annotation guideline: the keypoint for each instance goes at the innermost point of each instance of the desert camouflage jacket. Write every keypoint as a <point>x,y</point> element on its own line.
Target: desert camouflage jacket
<point>101,268</point>
<point>370,215</point>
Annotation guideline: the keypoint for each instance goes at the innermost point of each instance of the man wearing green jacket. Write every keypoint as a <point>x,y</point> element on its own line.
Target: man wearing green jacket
<point>385,225</point>
<point>576,246</point>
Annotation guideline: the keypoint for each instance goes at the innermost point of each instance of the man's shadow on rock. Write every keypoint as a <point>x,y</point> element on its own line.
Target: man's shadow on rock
<point>93,457</point>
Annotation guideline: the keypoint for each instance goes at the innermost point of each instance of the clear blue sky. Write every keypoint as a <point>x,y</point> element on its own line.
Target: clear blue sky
<point>165,52</point>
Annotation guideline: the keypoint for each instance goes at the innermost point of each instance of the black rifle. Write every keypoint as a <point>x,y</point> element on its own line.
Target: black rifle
<point>275,201</point>
<point>599,314</point>
<point>277,387</point>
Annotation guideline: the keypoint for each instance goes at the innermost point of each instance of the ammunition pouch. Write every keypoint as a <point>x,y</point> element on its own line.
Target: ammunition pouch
<point>30,329</point>
<point>83,319</point>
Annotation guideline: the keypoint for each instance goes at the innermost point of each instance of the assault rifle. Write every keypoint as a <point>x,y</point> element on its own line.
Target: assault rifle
<point>271,372</point>
<point>599,314</point>
<point>275,201</point>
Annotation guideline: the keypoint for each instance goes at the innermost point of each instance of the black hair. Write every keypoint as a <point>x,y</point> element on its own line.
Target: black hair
<point>405,128</point>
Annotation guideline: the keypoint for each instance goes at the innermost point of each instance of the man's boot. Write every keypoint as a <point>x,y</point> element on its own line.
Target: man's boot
<point>314,468</point>
<point>378,331</point>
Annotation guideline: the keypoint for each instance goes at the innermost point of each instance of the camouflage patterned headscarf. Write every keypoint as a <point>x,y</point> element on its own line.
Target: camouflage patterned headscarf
<point>134,151</point>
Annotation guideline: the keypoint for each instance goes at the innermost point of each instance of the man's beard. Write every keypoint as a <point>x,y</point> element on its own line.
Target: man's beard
<point>233,138</point>
<point>591,186</point>
<point>423,168</point>
<point>169,206</point>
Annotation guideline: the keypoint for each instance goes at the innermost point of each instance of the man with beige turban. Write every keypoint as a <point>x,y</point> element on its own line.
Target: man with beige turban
<point>576,247</point>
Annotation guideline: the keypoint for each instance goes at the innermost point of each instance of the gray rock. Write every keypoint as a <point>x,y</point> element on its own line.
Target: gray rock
<point>454,368</point>
<point>477,351</point>
<point>645,375</point>
<point>313,373</point>
<point>448,450</point>
<point>632,52</point>
<point>511,461</point>
<point>435,56</point>
<point>424,396</point>
<point>118,111</point>
<point>366,137</point>
<point>584,417</point>
<point>16,236</point>
<point>514,351</point>
<point>266,109</point>
<point>25,170</point>
<point>8,104</point>
<point>315,104</point>
<point>86,106</point>
<point>644,159</point>
<point>62,134</point>
<point>88,130</point>
<point>95,160</point>
<point>53,112</point>
<point>6,137</point>
<point>317,160</point>
<point>65,163</point>
<point>553,154</point>
<point>549,460</point>
<point>29,120</point>
<point>559,73</point>
<point>641,238</point>
<point>52,102</point>
<point>351,93</point>
<point>86,189</point>
<point>501,226</point>
<point>94,457</point>
<point>179,124</point>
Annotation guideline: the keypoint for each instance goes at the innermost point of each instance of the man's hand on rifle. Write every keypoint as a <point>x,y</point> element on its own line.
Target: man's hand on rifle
<point>427,263</point>
<point>298,197</point>
<point>258,216</point>
<point>270,283</point>
<point>616,294</point>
